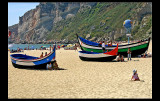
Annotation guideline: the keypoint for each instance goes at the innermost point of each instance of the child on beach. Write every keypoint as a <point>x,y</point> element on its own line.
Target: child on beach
<point>135,76</point>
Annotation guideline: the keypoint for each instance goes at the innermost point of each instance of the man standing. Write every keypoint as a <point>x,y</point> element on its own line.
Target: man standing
<point>103,47</point>
<point>129,54</point>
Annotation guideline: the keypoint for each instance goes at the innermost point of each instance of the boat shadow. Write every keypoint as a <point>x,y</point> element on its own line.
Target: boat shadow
<point>106,61</point>
<point>42,69</point>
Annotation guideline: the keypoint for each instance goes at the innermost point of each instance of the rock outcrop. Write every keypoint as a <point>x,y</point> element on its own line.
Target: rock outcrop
<point>35,24</point>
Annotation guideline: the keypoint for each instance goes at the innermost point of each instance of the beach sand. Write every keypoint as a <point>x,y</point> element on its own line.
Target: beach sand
<point>81,79</point>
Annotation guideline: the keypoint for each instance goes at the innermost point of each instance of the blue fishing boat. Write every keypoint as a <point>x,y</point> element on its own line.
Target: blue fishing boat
<point>26,61</point>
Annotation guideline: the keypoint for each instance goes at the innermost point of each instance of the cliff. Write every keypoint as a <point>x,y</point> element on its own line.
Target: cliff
<point>59,21</point>
<point>35,24</point>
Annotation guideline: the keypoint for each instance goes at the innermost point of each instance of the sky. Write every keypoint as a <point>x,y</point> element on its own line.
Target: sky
<point>17,9</point>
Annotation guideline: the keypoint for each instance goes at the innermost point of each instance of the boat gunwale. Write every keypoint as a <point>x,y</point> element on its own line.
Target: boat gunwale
<point>114,45</point>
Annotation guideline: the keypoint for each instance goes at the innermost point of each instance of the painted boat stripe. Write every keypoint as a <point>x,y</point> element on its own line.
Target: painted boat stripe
<point>25,63</point>
<point>33,59</point>
<point>110,48</point>
<point>94,56</point>
<point>87,42</point>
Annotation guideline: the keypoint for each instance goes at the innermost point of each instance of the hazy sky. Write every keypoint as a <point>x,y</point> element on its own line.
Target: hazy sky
<point>16,9</point>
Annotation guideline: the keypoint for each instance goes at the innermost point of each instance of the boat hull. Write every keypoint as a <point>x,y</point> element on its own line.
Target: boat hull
<point>41,66</point>
<point>134,53</point>
<point>103,59</point>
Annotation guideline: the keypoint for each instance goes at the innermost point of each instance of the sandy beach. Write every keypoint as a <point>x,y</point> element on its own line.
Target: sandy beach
<point>81,79</point>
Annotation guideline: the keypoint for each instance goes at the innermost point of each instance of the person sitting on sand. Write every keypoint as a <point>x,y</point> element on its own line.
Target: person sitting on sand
<point>55,65</point>
<point>144,55</point>
<point>135,76</point>
<point>150,54</point>
<point>118,58</point>
<point>122,58</point>
<point>41,56</point>
<point>49,66</point>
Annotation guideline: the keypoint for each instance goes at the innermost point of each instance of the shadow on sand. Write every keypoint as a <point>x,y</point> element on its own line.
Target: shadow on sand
<point>106,61</point>
<point>137,80</point>
<point>41,69</point>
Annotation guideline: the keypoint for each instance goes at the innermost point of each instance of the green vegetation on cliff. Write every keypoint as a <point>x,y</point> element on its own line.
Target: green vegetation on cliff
<point>102,19</point>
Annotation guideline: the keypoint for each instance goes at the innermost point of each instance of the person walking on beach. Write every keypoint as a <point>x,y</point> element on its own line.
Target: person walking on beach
<point>129,54</point>
<point>135,76</point>
<point>103,47</point>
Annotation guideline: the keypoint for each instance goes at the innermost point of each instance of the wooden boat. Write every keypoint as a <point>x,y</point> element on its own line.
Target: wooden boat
<point>137,48</point>
<point>26,61</point>
<point>93,56</point>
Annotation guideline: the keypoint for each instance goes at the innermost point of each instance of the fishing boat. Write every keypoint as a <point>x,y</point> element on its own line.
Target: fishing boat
<point>137,48</point>
<point>94,56</point>
<point>26,61</point>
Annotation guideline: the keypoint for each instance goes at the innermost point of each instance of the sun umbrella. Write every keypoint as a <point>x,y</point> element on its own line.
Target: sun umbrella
<point>69,45</point>
<point>32,47</point>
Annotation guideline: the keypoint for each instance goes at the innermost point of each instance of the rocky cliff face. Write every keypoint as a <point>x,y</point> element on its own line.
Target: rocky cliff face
<point>51,19</point>
<point>35,24</point>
